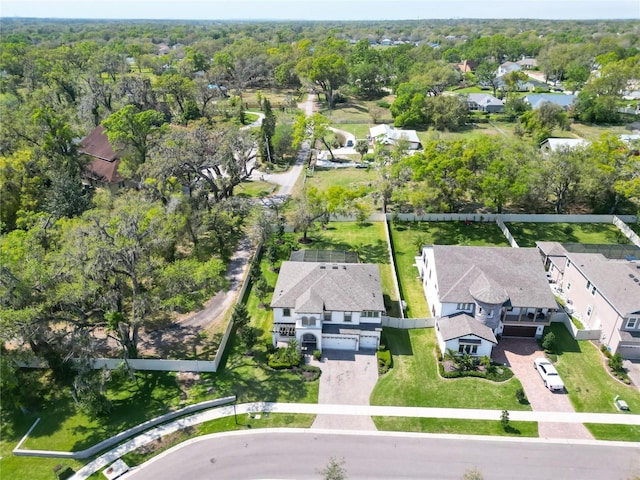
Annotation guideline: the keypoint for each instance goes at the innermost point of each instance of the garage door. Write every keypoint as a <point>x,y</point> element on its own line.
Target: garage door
<point>368,341</point>
<point>517,331</point>
<point>338,342</point>
<point>630,353</point>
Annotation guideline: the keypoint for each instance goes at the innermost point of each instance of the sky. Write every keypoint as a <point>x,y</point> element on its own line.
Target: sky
<point>321,9</point>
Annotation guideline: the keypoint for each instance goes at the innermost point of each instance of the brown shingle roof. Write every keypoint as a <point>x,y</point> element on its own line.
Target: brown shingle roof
<point>462,325</point>
<point>104,166</point>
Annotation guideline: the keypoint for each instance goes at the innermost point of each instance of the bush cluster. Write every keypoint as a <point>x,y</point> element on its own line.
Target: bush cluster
<point>384,360</point>
<point>496,373</point>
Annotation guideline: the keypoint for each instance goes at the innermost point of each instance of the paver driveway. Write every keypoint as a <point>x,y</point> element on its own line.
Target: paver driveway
<point>347,378</point>
<point>519,354</point>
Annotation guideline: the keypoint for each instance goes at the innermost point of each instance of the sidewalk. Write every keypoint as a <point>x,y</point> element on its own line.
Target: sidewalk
<point>371,410</point>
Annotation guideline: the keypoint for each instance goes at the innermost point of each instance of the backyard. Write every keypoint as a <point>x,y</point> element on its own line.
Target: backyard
<point>527,234</point>
<point>408,237</point>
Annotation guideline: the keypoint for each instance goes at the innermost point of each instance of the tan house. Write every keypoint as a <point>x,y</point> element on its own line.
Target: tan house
<point>603,293</point>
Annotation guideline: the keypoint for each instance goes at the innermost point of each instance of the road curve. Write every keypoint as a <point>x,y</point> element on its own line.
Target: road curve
<point>301,454</point>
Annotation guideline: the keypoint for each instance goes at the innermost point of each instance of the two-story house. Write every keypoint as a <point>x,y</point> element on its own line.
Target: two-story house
<point>328,305</point>
<point>503,289</point>
<point>102,169</point>
<point>603,292</point>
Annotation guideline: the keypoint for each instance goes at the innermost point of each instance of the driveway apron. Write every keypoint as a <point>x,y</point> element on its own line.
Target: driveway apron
<point>519,353</point>
<point>347,378</point>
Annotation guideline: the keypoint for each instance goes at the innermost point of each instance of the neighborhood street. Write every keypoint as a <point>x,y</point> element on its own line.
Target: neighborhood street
<point>368,456</point>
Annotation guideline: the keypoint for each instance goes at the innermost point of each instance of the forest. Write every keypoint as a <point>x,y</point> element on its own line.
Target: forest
<point>174,98</point>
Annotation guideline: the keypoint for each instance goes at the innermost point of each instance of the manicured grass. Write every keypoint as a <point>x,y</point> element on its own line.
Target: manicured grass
<point>624,433</point>
<point>350,178</point>
<point>275,96</point>
<point>582,368</point>
<point>527,234</point>
<point>414,380</point>
<point>360,130</point>
<point>254,189</point>
<point>405,235</point>
<point>456,426</point>
<point>357,111</point>
<point>227,424</point>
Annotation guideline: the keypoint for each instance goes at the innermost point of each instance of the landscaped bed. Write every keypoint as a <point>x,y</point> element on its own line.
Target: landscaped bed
<point>527,234</point>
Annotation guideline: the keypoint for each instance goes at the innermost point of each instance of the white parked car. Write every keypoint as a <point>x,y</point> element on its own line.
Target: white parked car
<point>549,374</point>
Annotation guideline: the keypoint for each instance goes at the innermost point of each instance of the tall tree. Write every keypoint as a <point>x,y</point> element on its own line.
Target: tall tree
<point>267,132</point>
<point>328,72</point>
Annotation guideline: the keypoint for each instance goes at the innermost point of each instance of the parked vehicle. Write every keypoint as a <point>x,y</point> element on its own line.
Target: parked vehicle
<point>549,374</point>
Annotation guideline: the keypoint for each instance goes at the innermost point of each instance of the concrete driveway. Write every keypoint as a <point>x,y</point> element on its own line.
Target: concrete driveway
<point>519,353</point>
<point>347,378</point>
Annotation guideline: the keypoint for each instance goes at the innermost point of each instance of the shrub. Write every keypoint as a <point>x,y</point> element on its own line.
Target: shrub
<point>317,354</point>
<point>521,396</point>
<point>549,342</point>
<point>615,364</point>
<point>310,373</point>
<point>504,419</point>
<point>384,361</point>
<point>383,104</point>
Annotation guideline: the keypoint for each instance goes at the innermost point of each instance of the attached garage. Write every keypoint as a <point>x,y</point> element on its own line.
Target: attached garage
<point>369,341</point>
<point>629,352</point>
<point>339,342</point>
<point>519,331</point>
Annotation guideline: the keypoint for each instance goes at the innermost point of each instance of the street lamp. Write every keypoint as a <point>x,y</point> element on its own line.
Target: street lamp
<point>235,415</point>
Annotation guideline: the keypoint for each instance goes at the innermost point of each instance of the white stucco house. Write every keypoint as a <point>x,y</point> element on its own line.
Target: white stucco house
<point>504,290</point>
<point>328,305</point>
<point>463,334</point>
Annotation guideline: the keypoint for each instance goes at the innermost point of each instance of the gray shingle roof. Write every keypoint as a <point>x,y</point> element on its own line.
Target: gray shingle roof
<point>518,271</point>
<point>462,325</point>
<point>614,279</point>
<point>309,287</point>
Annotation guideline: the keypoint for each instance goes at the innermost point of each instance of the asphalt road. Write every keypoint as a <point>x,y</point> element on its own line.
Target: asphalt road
<point>301,455</point>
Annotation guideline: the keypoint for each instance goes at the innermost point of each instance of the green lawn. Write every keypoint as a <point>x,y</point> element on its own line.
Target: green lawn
<point>244,422</point>
<point>360,130</point>
<point>589,385</point>
<point>455,427</point>
<point>414,380</point>
<point>405,236</point>
<point>358,111</point>
<point>254,189</point>
<point>624,433</point>
<point>527,234</point>
<point>594,132</point>
<point>350,178</point>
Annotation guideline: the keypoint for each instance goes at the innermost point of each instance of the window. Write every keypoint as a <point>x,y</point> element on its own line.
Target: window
<point>568,286</point>
<point>490,314</point>
<point>463,306</point>
<point>308,322</point>
<point>480,310</point>
<point>347,316</point>
<point>551,267</point>
<point>370,314</point>
<point>470,349</point>
<point>327,316</point>
<point>286,312</point>
<point>429,274</point>
<point>568,263</point>
<point>588,284</point>
<point>593,290</point>
<point>589,310</point>
<point>287,331</point>
<point>631,323</point>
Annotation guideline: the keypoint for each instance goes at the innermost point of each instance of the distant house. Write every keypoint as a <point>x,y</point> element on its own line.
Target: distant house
<point>328,305</point>
<point>483,102</point>
<point>537,99</point>
<point>508,67</point>
<point>386,42</point>
<point>102,169</point>
<point>603,293</point>
<point>163,49</point>
<point>466,66</point>
<point>504,290</point>
<point>555,144</point>
<point>528,63</point>
<point>388,135</point>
